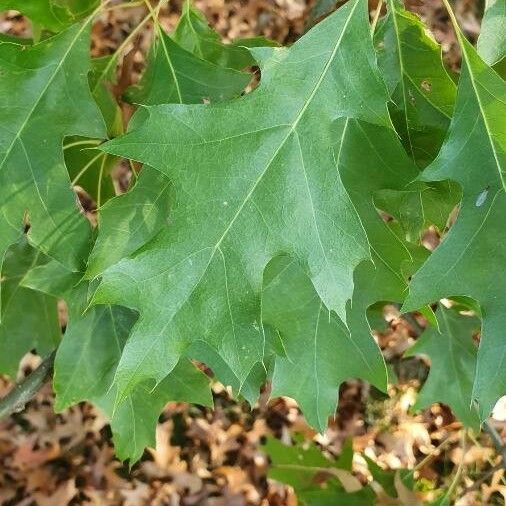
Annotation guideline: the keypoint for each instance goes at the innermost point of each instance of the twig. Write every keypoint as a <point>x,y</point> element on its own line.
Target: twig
<point>497,441</point>
<point>460,469</point>
<point>434,453</point>
<point>376,16</point>
<point>482,479</point>
<point>19,396</point>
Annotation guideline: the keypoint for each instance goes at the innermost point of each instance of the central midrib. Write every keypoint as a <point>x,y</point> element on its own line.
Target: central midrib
<point>43,92</point>
<point>299,116</point>
<point>293,126</point>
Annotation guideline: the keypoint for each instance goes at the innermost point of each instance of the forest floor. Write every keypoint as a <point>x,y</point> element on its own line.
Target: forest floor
<point>216,457</point>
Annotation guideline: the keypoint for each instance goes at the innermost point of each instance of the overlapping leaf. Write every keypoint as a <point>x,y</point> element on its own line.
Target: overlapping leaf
<point>422,92</point>
<point>492,40</point>
<point>252,178</point>
<point>174,75</point>
<point>29,319</point>
<point>423,96</point>
<point>45,96</point>
<point>194,34</point>
<point>471,259</point>
<point>316,344</point>
<point>129,221</point>
<point>51,14</point>
<point>89,353</point>
<point>450,349</point>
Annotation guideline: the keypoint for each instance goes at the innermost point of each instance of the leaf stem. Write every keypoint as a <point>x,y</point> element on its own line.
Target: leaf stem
<point>376,16</point>
<point>125,5</point>
<point>497,441</point>
<point>94,142</point>
<point>99,184</point>
<point>85,168</point>
<point>120,49</point>
<point>132,169</point>
<point>19,396</point>
<point>432,454</point>
<point>460,469</point>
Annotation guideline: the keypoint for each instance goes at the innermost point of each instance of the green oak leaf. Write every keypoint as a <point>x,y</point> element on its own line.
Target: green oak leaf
<point>470,260</point>
<point>316,343</point>
<point>423,96</point>
<point>302,468</point>
<point>133,422</point>
<point>102,77</point>
<point>421,90</point>
<point>45,97</point>
<point>89,353</point>
<point>314,340</point>
<point>170,77</point>
<point>93,340</point>
<point>491,43</point>
<point>194,34</point>
<point>453,361</point>
<point>90,169</point>
<point>366,168</point>
<point>129,221</point>
<point>174,75</point>
<point>296,465</point>
<point>252,178</point>
<point>29,318</point>
<point>53,15</point>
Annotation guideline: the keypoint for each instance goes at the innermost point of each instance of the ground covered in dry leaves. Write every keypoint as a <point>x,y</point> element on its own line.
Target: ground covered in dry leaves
<point>215,457</point>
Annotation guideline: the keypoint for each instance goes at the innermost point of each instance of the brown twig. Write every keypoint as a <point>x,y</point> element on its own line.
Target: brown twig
<point>25,390</point>
<point>497,441</point>
<point>482,479</point>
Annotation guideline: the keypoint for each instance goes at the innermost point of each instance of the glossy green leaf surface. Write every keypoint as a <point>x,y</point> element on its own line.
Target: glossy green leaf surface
<point>491,43</point>
<point>422,92</point>
<point>53,15</point>
<point>194,34</point>
<point>254,167</point>
<point>174,75</point>
<point>89,353</point>
<point>269,224</point>
<point>88,168</point>
<point>470,260</point>
<point>36,82</point>
<point>28,319</point>
<point>134,422</point>
<point>316,344</point>
<point>129,221</point>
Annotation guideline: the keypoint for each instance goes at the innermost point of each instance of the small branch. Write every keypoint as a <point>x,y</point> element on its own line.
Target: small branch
<point>434,453</point>
<point>376,16</point>
<point>23,392</point>
<point>460,469</point>
<point>497,441</point>
<point>477,484</point>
